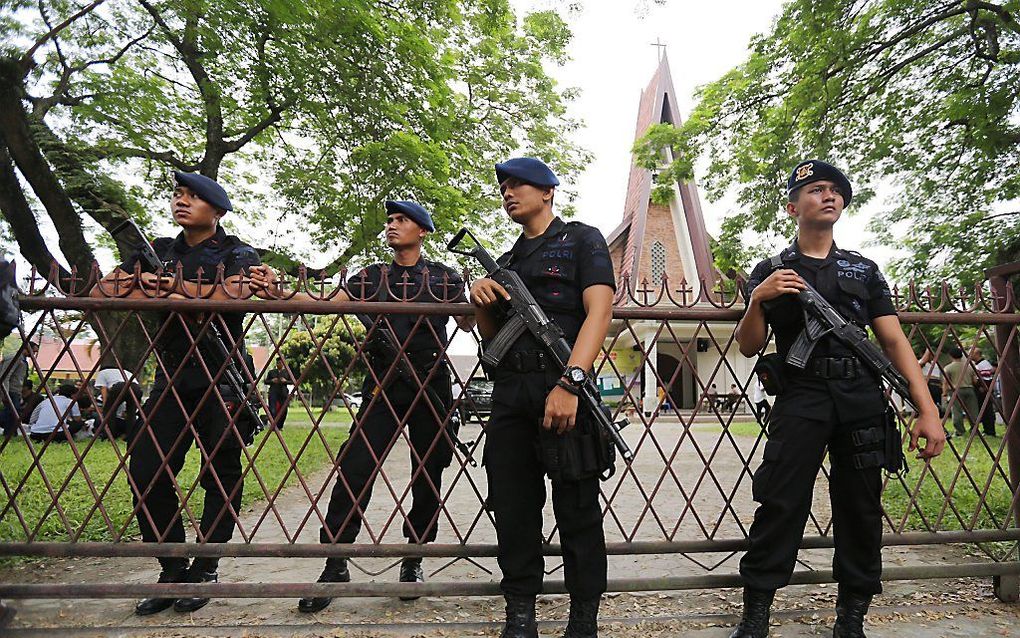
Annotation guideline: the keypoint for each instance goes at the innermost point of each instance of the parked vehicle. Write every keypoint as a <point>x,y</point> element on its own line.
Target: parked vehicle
<point>475,401</point>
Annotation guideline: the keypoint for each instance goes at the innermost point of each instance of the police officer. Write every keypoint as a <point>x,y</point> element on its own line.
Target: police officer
<point>834,403</point>
<point>179,410</point>
<point>566,266</point>
<point>382,414</point>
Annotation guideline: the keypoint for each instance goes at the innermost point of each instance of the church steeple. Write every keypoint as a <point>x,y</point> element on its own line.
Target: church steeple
<point>653,238</point>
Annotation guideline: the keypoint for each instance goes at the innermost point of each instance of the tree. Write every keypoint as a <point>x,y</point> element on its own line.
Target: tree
<point>919,95</point>
<point>324,354</point>
<point>318,108</point>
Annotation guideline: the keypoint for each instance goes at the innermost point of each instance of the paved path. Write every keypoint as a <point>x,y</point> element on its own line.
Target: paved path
<point>691,509</point>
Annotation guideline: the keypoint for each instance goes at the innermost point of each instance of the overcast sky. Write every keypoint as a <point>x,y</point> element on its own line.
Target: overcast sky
<point>613,60</point>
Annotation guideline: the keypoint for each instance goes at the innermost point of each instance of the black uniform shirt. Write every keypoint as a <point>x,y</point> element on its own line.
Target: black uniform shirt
<point>557,267</point>
<point>405,283</point>
<point>856,288</point>
<point>236,257</point>
<point>278,390</point>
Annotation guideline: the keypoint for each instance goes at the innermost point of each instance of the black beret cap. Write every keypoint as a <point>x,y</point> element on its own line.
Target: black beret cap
<point>814,170</point>
<point>206,188</point>
<point>527,169</point>
<point>413,210</point>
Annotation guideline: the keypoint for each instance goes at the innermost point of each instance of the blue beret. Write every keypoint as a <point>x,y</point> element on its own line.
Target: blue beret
<point>413,210</point>
<point>527,169</point>
<point>205,188</point>
<point>816,170</point>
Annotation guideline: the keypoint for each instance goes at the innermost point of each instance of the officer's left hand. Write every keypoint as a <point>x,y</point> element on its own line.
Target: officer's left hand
<point>929,427</point>
<point>560,410</point>
<point>262,277</point>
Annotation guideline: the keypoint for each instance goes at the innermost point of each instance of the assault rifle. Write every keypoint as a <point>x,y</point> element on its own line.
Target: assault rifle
<point>820,319</point>
<point>387,347</point>
<point>527,315</point>
<point>211,343</point>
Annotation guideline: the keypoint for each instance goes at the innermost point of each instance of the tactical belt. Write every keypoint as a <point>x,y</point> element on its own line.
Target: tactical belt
<point>833,368</point>
<point>525,361</point>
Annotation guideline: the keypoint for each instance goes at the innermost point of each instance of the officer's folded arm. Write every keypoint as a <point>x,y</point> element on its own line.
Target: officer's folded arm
<point>928,425</point>
<point>751,331</point>
<point>261,282</point>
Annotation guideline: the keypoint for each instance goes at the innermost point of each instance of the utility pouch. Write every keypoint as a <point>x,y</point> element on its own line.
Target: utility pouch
<point>580,454</point>
<point>895,460</point>
<point>771,373</point>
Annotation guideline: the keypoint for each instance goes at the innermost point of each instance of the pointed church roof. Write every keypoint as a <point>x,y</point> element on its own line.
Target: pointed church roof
<point>659,105</point>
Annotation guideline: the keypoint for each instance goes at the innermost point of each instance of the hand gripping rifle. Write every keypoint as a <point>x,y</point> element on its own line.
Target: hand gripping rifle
<point>387,347</point>
<point>820,319</point>
<point>527,315</point>
<point>211,343</point>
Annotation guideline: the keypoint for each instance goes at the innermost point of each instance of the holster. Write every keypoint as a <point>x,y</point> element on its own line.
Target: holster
<point>582,453</point>
<point>895,460</point>
<point>771,371</point>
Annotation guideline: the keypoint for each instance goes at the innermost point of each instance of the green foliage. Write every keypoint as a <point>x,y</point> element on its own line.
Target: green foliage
<point>313,110</point>
<point>325,354</point>
<point>916,95</point>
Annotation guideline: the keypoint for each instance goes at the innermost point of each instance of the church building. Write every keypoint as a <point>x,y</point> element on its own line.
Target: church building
<point>662,257</point>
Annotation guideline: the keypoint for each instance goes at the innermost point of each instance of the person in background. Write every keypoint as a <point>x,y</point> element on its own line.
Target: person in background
<point>278,381</point>
<point>13,373</point>
<point>959,376</point>
<point>984,388</point>
<point>56,415</point>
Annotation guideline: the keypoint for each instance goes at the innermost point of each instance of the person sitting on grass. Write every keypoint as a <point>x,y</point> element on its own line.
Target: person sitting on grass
<point>56,413</point>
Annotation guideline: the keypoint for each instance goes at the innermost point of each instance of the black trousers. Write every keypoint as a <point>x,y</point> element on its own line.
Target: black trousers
<point>988,413</point>
<point>517,493</point>
<point>168,434</point>
<point>361,456</point>
<point>783,485</point>
<point>278,403</point>
<point>128,395</point>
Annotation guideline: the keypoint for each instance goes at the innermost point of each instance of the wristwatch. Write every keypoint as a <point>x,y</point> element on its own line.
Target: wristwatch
<point>575,376</point>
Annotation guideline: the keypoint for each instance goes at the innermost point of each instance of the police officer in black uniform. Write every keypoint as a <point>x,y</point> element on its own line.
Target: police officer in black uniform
<point>566,266</point>
<point>170,427</point>
<point>377,424</point>
<point>834,403</point>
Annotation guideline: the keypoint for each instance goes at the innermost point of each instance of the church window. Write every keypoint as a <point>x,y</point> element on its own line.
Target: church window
<point>658,261</point>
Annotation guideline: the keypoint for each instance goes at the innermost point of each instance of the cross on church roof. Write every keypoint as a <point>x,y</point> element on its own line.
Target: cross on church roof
<point>661,48</point>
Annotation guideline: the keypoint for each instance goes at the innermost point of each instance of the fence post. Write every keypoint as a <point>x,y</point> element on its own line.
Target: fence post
<point>1007,588</point>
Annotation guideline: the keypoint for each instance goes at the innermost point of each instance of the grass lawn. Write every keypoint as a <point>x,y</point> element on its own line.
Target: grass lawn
<point>965,497</point>
<point>737,428</point>
<point>34,501</point>
<point>962,506</point>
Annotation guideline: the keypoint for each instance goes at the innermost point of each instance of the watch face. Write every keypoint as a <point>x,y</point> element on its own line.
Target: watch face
<point>577,375</point>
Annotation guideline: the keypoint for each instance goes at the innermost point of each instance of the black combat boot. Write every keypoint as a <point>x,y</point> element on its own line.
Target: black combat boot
<point>584,618</point>
<point>520,617</point>
<point>410,572</point>
<point>851,608</point>
<point>335,572</point>
<point>199,573</point>
<point>176,572</point>
<point>755,620</point>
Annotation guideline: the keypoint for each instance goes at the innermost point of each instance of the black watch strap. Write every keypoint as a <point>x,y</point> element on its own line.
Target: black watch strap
<point>566,385</point>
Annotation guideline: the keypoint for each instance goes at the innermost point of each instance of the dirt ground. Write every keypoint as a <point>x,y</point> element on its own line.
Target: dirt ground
<point>666,497</point>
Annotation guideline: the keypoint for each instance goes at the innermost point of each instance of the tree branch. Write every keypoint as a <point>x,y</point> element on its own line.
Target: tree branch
<point>26,62</point>
<point>18,213</point>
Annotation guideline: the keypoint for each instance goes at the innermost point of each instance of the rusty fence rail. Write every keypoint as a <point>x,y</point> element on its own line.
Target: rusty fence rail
<point>672,369</point>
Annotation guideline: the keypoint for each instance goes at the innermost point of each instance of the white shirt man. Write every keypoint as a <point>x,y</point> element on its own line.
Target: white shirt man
<point>50,411</point>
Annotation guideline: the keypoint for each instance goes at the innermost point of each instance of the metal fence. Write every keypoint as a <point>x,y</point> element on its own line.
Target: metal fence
<point>686,493</point>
